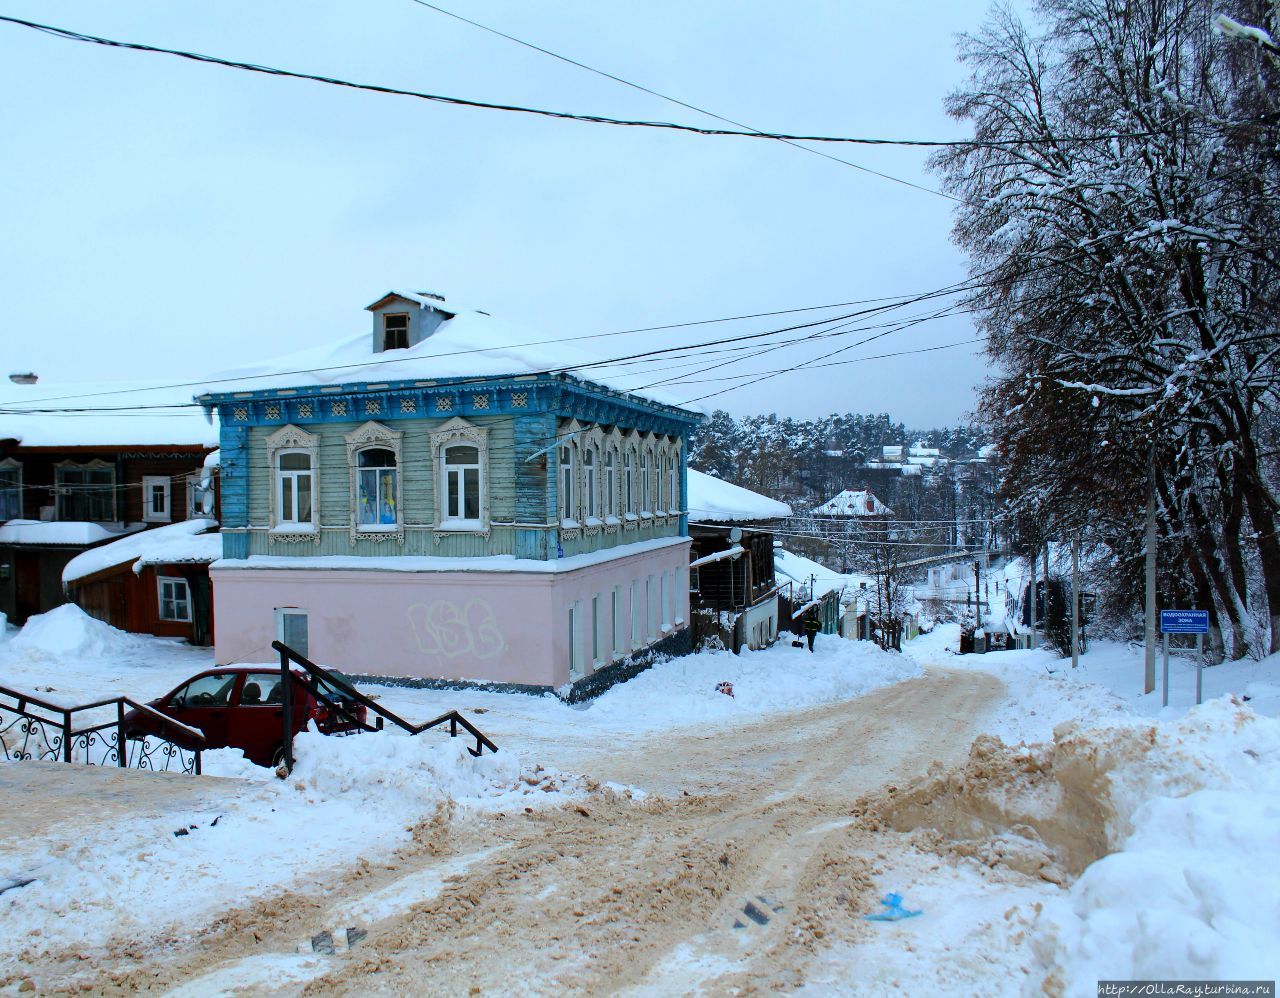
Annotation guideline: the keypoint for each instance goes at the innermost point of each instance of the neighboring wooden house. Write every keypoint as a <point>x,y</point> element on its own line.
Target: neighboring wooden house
<point>69,484</point>
<point>731,579</point>
<point>428,502</point>
<point>153,582</point>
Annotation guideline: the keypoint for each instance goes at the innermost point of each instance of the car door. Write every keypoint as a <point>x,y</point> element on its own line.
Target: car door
<point>257,721</point>
<point>205,703</point>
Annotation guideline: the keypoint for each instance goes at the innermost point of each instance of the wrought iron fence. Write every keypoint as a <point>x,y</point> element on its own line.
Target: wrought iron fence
<point>315,679</point>
<point>136,737</point>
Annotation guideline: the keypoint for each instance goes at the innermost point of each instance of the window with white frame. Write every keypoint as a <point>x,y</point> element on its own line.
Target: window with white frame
<point>155,499</point>
<point>610,485</point>
<point>175,599</point>
<point>615,621</point>
<point>291,629</point>
<point>462,491</point>
<point>377,492</point>
<point>575,640</point>
<point>673,486</point>
<point>628,483</point>
<point>566,482</point>
<point>86,491</point>
<point>589,480</point>
<point>665,600</point>
<point>635,636</point>
<point>644,482</point>
<point>10,489</point>
<point>291,453</point>
<point>678,578</point>
<point>597,637</point>
<point>462,484</point>
<point>293,488</point>
<point>651,608</point>
<point>654,484</point>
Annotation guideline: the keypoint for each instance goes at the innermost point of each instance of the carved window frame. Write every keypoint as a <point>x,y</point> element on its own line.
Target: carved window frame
<point>370,436</point>
<point>590,440</point>
<point>459,431</point>
<point>293,439</point>
<point>613,443</point>
<point>630,449</point>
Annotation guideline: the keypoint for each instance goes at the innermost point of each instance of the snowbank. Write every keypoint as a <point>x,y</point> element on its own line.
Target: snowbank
<point>216,844</point>
<point>714,501</point>
<point>1192,891</point>
<point>683,690</point>
<point>187,541</point>
<point>68,632</point>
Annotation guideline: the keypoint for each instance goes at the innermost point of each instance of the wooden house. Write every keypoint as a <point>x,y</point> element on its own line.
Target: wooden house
<point>732,585</point>
<point>432,502</point>
<point>69,484</point>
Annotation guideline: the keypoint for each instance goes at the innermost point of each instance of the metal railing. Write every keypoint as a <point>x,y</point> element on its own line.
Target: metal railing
<point>32,729</point>
<point>317,678</point>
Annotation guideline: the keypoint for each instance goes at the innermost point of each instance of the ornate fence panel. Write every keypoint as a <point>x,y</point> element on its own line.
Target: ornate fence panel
<point>95,734</point>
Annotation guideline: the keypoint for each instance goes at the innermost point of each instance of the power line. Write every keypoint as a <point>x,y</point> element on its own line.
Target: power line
<point>70,35</point>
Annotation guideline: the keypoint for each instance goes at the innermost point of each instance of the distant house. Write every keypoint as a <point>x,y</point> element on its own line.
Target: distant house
<point>152,582</point>
<point>731,578</point>
<point>428,501</point>
<point>854,504</point>
<point>70,483</point>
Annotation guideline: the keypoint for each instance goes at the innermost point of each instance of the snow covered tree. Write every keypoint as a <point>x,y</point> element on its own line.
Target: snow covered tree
<point>1121,215</point>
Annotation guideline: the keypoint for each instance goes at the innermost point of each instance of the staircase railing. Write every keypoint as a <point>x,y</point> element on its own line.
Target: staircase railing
<point>317,677</point>
<point>37,730</point>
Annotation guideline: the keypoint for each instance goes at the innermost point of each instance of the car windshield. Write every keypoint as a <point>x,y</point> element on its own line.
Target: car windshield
<point>207,691</point>
<point>334,691</point>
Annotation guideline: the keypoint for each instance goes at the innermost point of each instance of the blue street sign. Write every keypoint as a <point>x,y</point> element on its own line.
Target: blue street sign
<point>1184,621</point>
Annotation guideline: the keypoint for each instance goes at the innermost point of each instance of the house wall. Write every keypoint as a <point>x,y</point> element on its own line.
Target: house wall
<point>131,601</point>
<point>38,476</point>
<point>422,321</point>
<point>502,627</point>
<point>31,580</point>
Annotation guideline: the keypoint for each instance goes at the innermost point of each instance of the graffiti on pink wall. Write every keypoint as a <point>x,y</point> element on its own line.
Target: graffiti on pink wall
<point>452,630</point>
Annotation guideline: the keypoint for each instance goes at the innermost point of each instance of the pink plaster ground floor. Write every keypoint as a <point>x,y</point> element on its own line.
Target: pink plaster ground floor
<point>525,627</point>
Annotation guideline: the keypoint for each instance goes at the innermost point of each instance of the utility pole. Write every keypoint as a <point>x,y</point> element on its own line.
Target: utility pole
<point>1075,601</point>
<point>977,592</point>
<point>1149,672</point>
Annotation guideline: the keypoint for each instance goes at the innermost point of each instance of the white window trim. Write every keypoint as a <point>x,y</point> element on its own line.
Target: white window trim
<point>292,611</point>
<point>576,650</point>
<point>598,647</point>
<point>294,439</point>
<point>650,611</point>
<point>615,621</point>
<point>161,580</point>
<point>11,464</point>
<point>460,431</point>
<point>373,435</point>
<point>166,514</point>
<point>636,626</point>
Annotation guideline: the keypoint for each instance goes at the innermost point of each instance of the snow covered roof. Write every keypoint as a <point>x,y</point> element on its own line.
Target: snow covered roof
<point>854,502</point>
<point>471,344</point>
<point>712,500</point>
<point>184,425</point>
<point>801,570</point>
<point>73,533</point>
<point>185,542</point>
<point>423,299</point>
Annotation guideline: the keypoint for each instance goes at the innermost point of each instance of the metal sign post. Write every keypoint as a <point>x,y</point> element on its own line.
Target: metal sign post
<point>1184,622</point>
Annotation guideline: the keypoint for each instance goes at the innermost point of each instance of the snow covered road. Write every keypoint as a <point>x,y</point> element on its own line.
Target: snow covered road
<point>753,830</point>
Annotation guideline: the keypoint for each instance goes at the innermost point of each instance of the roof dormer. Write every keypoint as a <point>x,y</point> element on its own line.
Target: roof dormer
<point>403,319</point>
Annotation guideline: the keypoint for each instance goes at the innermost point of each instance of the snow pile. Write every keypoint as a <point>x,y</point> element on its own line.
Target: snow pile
<point>200,846</point>
<point>1192,891</point>
<point>187,541</point>
<point>683,690</point>
<point>388,773</point>
<point>68,632</point>
<point>714,501</point>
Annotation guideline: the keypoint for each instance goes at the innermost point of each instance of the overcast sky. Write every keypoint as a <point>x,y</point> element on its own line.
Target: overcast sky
<point>166,219</point>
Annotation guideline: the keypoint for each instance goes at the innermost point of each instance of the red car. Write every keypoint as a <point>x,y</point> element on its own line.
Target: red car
<point>243,708</point>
